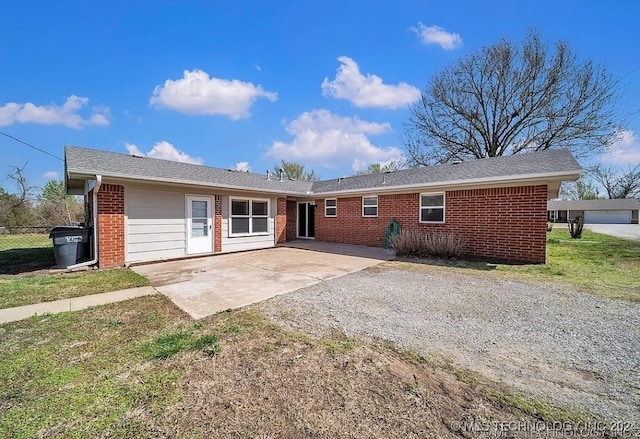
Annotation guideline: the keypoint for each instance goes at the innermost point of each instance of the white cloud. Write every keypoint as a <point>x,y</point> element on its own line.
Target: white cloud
<point>164,150</point>
<point>243,166</point>
<point>52,114</point>
<point>197,93</point>
<point>51,175</point>
<point>367,90</point>
<point>329,140</point>
<point>624,150</point>
<point>437,35</point>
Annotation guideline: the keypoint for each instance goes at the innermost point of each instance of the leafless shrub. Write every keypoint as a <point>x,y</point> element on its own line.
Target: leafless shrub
<point>414,243</point>
<point>408,243</point>
<point>444,244</point>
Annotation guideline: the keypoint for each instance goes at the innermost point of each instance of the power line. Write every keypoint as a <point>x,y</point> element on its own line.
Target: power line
<point>31,146</point>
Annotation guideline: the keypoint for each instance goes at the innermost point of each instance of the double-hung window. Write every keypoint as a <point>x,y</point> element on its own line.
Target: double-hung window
<point>370,206</point>
<point>432,208</point>
<point>331,207</point>
<point>249,217</point>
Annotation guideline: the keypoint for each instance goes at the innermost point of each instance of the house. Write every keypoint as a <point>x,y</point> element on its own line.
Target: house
<point>147,209</point>
<point>623,211</point>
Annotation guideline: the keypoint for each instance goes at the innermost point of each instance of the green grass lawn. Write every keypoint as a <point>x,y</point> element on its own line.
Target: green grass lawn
<point>143,368</point>
<point>25,290</point>
<point>25,252</point>
<point>596,263</point>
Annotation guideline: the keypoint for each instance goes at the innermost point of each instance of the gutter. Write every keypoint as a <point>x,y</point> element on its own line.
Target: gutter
<point>93,261</point>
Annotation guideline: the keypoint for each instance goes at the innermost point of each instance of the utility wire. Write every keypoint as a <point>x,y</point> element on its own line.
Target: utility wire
<point>31,146</point>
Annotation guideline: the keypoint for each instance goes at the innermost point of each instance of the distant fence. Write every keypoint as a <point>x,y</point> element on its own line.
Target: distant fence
<point>25,249</point>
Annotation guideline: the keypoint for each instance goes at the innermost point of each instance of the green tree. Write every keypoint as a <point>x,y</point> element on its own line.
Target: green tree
<point>508,98</point>
<point>294,171</point>
<point>14,211</point>
<point>56,207</point>
<point>378,168</point>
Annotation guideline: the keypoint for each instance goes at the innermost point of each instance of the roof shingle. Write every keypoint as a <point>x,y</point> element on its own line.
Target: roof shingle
<point>84,162</point>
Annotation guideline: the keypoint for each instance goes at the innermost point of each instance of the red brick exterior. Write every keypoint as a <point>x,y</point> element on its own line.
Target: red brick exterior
<point>292,218</point>
<point>217,221</point>
<point>496,223</point>
<point>111,226</point>
<point>281,221</point>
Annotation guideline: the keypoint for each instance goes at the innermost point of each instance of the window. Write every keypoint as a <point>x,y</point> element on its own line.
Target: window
<point>370,206</point>
<point>331,207</point>
<point>431,208</point>
<point>249,217</point>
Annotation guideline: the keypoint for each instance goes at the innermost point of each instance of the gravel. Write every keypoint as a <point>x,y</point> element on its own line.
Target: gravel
<point>562,346</point>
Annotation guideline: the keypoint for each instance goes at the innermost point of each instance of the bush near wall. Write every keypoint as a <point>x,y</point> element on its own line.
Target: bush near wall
<point>415,243</point>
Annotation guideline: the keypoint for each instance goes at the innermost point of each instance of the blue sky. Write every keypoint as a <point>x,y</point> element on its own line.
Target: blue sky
<point>245,83</point>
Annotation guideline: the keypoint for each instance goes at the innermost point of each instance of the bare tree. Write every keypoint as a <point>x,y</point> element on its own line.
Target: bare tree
<point>618,184</point>
<point>294,171</point>
<point>506,99</point>
<point>16,209</point>
<point>378,168</point>
<point>582,189</point>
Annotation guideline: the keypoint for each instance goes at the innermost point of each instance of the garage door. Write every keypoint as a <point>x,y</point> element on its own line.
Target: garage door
<point>156,226</point>
<point>608,217</point>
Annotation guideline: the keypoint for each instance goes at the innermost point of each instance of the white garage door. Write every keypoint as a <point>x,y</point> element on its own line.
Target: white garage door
<point>156,226</point>
<point>607,217</point>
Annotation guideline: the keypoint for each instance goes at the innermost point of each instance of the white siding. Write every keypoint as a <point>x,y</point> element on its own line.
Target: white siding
<point>156,225</point>
<point>241,243</point>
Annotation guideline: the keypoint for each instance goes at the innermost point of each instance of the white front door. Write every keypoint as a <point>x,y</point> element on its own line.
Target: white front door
<point>199,225</point>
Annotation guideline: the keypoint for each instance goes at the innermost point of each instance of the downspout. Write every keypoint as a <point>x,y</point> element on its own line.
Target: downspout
<point>93,261</point>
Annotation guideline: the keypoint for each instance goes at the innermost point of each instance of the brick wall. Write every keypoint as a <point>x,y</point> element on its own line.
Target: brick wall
<point>498,223</point>
<point>111,226</point>
<point>217,221</point>
<point>292,215</point>
<point>281,221</point>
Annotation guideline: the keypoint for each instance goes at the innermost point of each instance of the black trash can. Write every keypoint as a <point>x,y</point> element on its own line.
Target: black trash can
<point>70,244</point>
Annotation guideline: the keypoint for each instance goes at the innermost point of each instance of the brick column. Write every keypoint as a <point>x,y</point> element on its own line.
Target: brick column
<point>111,252</point>
<point>217,218</point>
<point>281,221</point>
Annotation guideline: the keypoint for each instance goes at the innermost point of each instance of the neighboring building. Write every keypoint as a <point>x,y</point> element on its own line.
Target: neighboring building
<point>623,211</point>
<point>149,210</point>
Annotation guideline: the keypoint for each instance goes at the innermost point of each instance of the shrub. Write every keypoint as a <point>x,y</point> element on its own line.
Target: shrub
<point>413,243</point>
<point>445,244</point>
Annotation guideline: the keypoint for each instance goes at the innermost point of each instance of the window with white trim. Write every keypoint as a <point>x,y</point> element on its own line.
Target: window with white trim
<point>331,207</point>
<point>370,206</point>
<point>248,217</point>
<point>432,208</point>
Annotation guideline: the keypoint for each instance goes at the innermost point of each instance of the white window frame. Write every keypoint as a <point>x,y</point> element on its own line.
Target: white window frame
<point>370,205</point>
<point>443,207</point>
<point>250,216</point>
<point>335,207</point>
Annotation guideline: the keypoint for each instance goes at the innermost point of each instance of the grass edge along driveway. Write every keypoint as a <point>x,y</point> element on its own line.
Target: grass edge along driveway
<point>27,290</point>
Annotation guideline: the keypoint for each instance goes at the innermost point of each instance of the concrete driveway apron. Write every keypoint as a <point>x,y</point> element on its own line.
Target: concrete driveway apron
<point>208,285</point>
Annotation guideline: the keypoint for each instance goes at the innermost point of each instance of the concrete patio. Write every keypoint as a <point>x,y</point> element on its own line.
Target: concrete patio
<point>208,285</point>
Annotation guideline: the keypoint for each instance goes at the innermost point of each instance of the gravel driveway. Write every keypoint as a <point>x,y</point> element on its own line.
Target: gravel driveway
<point>545,339</point>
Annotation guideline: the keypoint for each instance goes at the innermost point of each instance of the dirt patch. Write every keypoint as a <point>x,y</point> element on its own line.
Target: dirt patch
<point>272,383</point>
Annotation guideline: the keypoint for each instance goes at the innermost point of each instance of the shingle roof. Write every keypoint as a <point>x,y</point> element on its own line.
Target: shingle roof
<point>621,204</point>
<point>84,162</point>
<point>515,166</point>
